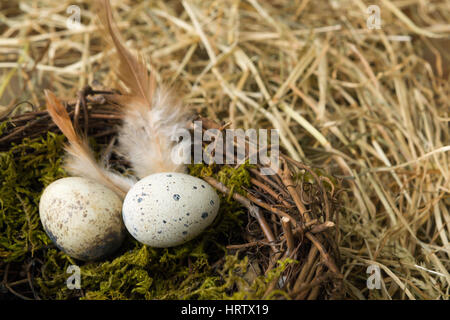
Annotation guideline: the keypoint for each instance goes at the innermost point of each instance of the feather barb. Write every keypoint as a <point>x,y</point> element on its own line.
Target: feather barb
<point>80,160</point>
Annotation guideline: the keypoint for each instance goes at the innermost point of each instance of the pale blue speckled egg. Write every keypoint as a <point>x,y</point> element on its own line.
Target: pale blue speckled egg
<point>168,209</point>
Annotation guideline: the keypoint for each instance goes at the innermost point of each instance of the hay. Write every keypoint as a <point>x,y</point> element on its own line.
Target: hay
<point>356,102</point>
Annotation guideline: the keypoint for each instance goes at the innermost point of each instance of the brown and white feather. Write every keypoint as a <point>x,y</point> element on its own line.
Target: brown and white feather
<point>80,160</point>
<point>152,116</point>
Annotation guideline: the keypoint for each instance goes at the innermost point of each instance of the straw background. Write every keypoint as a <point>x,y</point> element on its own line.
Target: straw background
<point>369,106</point>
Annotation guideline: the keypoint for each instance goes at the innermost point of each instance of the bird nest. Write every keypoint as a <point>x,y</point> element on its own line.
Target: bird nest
<point>282,244</point>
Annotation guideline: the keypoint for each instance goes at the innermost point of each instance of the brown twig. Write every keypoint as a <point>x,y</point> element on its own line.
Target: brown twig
<point>317,179</point>
<point>306,268</point>
<point>271,208</point>
<point>267,180</point>
<point>244,245</point>
<point>253,210</point>
<point>286,224</point>
<point>307,286</point>
<point>271,192</point>
<point>322,227</point>
<point>325,256</point>
<point>290,185</point>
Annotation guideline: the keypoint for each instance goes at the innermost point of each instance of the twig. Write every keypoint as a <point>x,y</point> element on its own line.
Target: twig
<point>286,177</point>
<point>21,129</point>
<point>244,245</point>
<point>286,224</point>
<point>306,286</point>
<point>318,180</point>
<point>322,227</point>
<point>271,208</point>
<point>271,192</point>
<point>16,293</point>
<point>269,181</point>
<point>325,256</point>
<point>253,210</point>
<point>30,281</point>
<point>315,289</point>
<point>306,267</point>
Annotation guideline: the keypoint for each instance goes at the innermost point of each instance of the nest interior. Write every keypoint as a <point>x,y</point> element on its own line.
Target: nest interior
<point>367,108</point>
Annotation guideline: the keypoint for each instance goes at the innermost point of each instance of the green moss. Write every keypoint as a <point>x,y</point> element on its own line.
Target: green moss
<point>25,170</point>
<point>135,271</point>
<point>328,180</point>
<point>236,179</point>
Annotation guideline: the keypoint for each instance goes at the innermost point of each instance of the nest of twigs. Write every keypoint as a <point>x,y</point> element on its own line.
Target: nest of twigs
<point>288,217</point>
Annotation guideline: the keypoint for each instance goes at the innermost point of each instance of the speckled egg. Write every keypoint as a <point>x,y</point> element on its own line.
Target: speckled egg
<point>82,217</point>
<point>168,209</point>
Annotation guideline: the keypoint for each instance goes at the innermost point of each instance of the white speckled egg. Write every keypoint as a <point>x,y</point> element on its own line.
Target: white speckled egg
<point>82,217</point>
<point>167,209</point>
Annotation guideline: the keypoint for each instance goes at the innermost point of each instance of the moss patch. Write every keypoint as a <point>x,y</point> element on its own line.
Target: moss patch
<point>25,170</point>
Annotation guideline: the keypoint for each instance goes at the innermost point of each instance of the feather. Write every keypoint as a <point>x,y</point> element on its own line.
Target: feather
<point>148,139</point>
<point>153,117</point>
<point>80,160</point>
<point>131,70</point>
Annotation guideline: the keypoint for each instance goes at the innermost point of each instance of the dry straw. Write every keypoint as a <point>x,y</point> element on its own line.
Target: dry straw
<point>369,106</point>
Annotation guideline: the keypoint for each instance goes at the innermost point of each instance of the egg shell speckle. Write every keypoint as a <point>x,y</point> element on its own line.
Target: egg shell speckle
<point>82,217</point>
<point>168,209</point>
